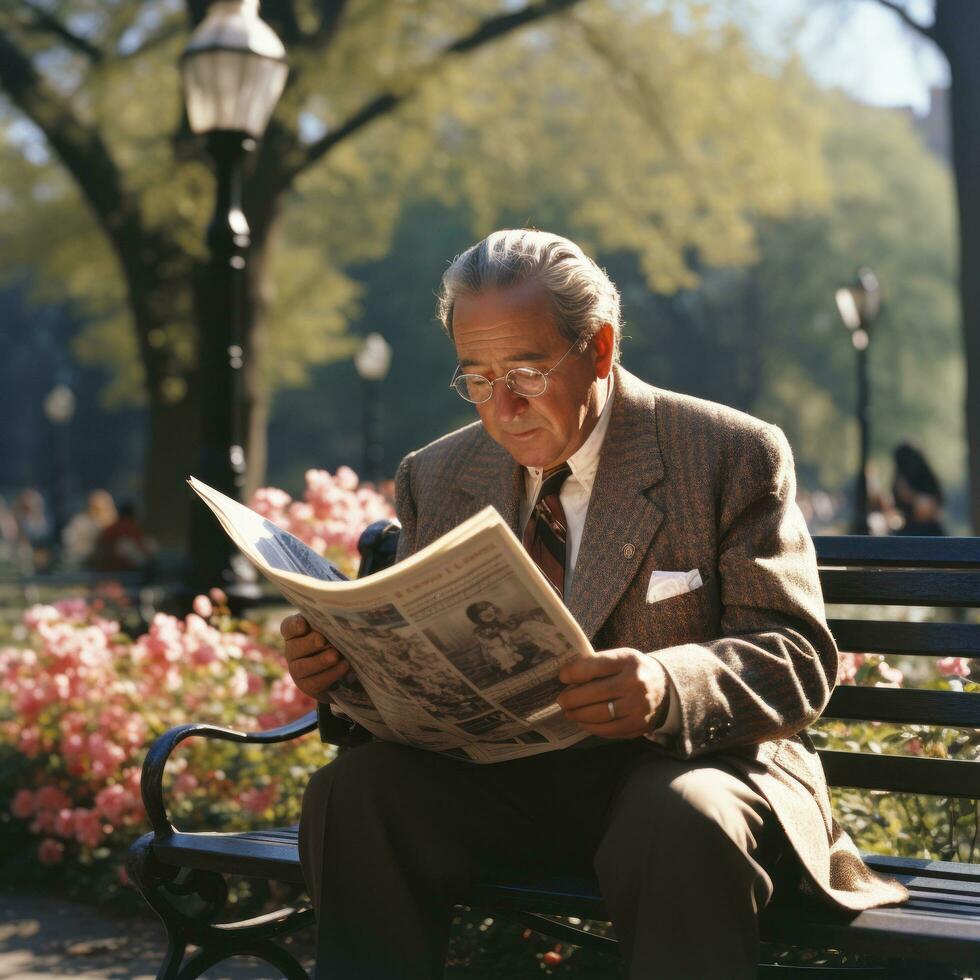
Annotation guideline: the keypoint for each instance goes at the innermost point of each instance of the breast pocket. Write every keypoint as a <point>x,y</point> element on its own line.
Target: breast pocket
<point>690,617</point>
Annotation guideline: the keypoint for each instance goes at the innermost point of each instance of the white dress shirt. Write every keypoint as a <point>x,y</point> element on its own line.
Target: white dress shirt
<point>575,494</point>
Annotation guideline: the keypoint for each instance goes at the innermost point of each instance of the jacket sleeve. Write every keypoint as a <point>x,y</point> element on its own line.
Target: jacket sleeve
<point>405,508</point>
<point>773,669</point>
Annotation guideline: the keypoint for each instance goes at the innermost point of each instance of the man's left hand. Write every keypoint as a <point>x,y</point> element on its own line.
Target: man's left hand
<point>635,686</point>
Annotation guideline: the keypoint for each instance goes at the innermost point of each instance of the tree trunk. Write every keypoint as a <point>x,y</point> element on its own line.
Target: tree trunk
<point>171,456</point>
<point>957,29</point>
<point>158,275</point>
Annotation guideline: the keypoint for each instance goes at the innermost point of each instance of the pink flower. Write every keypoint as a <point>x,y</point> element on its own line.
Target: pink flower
<point>238,684</point>
<point>202,606</point>
<point>953,666</point>
<point>44,822</point>
<point>891,676</point>
<point>88,827</point>
<point>114,803</point>
<point>50,851</point>
<point>259,800</point>
<point>64,825</point>
<point>51,798</point>
<point>185,783</point>
<point>848,666</point>
<point>22,805</point>
<point>346,478</point>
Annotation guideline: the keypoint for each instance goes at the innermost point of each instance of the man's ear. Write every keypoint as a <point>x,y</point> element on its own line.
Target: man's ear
<point>604,345</point>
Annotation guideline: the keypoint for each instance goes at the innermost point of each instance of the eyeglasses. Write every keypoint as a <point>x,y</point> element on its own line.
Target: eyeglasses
<point>527,382</point>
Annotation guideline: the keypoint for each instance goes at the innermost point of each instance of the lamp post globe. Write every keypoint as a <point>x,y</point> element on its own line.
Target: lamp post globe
<point>858,305</point>
<point>234,71</point>
<point>59,405</point>
<point>372,362</point>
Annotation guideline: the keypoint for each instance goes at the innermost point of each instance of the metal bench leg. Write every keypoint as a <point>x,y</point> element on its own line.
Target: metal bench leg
<point>150,881</point>
<point>174,956</point>
<point>160,885</point>
<point>268,952</point>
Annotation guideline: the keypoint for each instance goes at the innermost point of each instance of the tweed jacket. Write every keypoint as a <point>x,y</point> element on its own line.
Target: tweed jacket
<point>684,484</point>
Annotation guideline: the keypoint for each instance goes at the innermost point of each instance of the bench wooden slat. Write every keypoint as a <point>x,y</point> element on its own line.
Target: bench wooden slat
<point>902,774</point>
<point>258,855</point>
<point>951,871</point>
<point>894,932</point>
<point>863,551</point>
<point>919,930</point>
<point>955,890</point>
<point>943,708</point>
<point>901,587</point>
<point>925,639</point>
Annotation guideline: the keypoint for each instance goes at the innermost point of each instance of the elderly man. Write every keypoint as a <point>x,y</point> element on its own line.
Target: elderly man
<point>670,527</point>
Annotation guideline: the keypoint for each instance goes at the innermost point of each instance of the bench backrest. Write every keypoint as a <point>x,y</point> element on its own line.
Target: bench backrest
<point>900,571</point>
<point>870,571</point>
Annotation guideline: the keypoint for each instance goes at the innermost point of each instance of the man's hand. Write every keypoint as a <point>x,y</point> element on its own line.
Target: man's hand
<point>634,685</point>
<point>314,665</point>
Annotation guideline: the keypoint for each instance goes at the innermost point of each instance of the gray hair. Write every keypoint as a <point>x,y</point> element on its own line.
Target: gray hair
<point>582,296</point>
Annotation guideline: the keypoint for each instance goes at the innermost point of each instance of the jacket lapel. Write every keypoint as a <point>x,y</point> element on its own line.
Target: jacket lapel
<point>622,519</point>
<point>489,476</point>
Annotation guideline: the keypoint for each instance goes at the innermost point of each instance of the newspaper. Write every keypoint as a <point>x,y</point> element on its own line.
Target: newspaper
<point>456,649</point>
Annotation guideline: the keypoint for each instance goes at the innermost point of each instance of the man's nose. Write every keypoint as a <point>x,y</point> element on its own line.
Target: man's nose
<point>507,405</point>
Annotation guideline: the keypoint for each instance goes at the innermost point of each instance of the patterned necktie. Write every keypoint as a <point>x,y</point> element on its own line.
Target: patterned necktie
<point>546,530</point>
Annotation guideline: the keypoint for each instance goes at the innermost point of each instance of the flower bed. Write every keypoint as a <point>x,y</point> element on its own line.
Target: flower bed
<point>80,700</point>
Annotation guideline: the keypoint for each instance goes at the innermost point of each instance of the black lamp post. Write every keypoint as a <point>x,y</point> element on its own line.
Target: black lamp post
<point>858,305</point>
<point>234,69</point>
<point>372,362</point>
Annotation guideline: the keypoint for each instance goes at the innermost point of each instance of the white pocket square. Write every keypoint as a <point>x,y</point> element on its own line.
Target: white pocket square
<point>665,585</point>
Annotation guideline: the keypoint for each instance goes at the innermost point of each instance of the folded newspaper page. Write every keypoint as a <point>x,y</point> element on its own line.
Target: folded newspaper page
<point>456,649</point>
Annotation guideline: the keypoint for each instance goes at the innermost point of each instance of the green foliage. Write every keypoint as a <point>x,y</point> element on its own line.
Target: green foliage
<point>614,125</point>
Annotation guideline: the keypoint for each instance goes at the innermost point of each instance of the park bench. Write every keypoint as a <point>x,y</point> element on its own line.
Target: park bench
<point>936,932</point>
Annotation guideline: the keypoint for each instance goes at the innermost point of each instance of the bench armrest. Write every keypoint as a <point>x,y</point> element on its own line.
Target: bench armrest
<point>378,544</point>
<point>151,779</point>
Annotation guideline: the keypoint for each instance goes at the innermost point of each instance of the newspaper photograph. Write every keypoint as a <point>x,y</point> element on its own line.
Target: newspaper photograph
<point>456,649</point>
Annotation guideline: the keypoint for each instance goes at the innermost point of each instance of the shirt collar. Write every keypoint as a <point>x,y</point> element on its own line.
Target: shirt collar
<point>585,460</point>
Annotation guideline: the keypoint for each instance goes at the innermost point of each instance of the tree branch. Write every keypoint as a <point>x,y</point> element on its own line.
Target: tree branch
<point>166,33</point>
<point>281,16</point>
<point>904,16</point>
<point>43,21</point>
<point>385,102</point>
<point>330,13</point>
<point>196,10</point>
<point>80,148</point>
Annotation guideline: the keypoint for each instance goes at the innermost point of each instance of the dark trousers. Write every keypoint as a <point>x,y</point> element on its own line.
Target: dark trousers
<point>392,837</point>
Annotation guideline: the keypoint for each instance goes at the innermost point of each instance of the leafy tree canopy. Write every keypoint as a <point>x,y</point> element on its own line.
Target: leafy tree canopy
<point>633,130</point>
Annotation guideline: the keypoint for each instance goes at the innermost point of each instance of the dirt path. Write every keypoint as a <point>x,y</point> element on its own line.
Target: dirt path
<point>43,937</point>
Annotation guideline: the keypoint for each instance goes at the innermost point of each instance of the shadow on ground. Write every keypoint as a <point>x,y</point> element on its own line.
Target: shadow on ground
<point>49,938</point>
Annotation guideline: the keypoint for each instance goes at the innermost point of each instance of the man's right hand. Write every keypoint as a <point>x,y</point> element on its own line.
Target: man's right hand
<point>314,664</point>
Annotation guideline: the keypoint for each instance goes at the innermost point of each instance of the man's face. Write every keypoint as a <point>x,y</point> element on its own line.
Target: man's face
<point>497,330</point>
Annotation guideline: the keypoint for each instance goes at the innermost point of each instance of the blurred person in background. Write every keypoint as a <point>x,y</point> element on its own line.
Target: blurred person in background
<point>8,532</point>
<point>80,537</point>
<point>33,530</point>
<point>917,493</point>
<point>123,546</point>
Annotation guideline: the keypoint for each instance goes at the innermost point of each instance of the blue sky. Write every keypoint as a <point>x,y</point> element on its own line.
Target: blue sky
<point>856,45</point>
